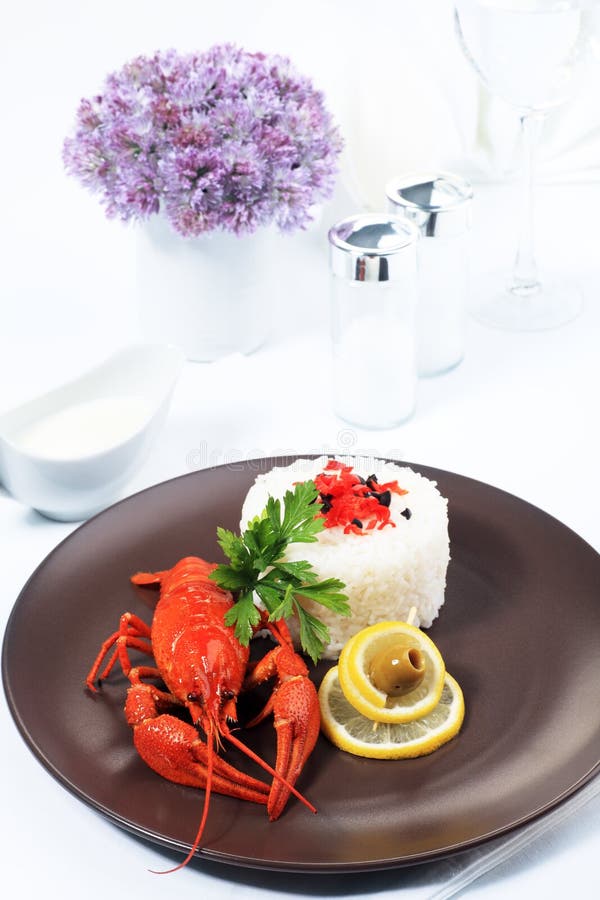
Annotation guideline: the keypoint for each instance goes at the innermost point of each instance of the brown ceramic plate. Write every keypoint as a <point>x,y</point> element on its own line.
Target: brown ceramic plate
<point>520,630</point>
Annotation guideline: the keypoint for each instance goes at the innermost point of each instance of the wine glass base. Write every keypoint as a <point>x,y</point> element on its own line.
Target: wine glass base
<point>549,305</point>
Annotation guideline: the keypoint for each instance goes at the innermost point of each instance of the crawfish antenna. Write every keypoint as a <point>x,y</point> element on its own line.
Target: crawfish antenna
<point>200,832</point>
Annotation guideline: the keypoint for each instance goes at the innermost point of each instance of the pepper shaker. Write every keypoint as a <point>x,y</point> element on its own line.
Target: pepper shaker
<point>374,300</point>
<point>439,204</point>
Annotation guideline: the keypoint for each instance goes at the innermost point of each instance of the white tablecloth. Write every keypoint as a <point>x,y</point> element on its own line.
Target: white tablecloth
<point>520,412</point>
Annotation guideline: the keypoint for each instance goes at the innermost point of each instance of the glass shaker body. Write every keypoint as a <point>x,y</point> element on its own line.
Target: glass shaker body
<point>440,207</point>
<point>373,308</point>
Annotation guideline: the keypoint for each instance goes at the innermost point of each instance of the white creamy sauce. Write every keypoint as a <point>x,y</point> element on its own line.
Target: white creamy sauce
<point>83,429</point>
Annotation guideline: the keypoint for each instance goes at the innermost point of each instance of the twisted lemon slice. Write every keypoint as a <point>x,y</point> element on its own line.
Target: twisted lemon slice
<point>391,672</point>
<point>351,731</point>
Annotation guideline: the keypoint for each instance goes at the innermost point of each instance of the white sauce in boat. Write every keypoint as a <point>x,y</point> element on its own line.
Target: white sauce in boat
<point>83,429</point>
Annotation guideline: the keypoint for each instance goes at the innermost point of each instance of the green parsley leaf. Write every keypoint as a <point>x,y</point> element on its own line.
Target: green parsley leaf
<point>256,566</point>
<point>314,635</point>
<point>285,609</point>
<point>269,593</point>
<point>233,547</point>
<point>328,593</point>
<point>300,524</point>
<point>300,571</point>
<point>244,615</point>
<point>229,579</point>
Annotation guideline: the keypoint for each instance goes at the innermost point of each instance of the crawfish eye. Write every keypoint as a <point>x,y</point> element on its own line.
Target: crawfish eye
<point>193,697</point>
<point>227,695</point>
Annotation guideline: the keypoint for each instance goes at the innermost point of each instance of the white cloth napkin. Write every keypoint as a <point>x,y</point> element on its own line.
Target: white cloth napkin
<point>557,826</point>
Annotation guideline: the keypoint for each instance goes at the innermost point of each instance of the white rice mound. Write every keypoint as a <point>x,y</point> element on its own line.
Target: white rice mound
<point>385,571</point>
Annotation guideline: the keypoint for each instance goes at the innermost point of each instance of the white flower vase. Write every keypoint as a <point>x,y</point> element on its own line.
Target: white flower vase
<point>207,295</point>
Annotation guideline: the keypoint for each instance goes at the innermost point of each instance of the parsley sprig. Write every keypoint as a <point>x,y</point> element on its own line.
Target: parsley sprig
<point>256,564</point>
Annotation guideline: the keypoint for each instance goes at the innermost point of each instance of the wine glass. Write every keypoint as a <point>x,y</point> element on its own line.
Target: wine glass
<point>531,53</point>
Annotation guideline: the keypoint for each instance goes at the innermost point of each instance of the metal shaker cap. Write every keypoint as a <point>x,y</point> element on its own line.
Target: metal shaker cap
<point>438,203</point>
<point>371,246</point>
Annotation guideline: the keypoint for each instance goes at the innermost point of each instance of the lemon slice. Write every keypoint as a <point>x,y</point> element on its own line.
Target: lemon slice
<point>349,730</point>
<point>358,656</point>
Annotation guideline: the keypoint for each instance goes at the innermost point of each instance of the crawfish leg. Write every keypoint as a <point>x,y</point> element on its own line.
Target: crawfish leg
<point>147,578</point>
<point>138,672</point>
<point>133,632</point>
<point>173,748</point>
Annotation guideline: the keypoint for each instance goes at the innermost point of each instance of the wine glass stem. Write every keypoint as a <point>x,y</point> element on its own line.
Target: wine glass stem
<point>525,279</point>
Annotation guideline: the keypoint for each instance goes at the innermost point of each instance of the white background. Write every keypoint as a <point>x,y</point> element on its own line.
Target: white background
<point>520,412</point>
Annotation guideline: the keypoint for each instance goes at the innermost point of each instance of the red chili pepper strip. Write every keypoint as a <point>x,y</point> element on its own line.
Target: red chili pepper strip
<point>352,503</point>
<point>392,486</point>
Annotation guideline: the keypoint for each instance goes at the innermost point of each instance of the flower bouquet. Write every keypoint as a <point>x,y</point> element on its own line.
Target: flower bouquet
<point>205,149</point>
<point>221,140</point>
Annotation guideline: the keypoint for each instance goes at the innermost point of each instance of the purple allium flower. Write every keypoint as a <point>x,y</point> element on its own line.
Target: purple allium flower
<point>224,139</point>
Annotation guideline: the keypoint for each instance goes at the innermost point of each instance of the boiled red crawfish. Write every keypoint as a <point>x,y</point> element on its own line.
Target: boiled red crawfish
<point>204,668</point>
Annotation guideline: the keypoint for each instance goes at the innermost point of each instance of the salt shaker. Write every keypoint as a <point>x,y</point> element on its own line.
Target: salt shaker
<point>439,204</point>
<point>373,265</point>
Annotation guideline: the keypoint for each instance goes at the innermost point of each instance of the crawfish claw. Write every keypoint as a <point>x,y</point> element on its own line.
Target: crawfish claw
<point>173,749</point>
<point>295,707</point>
<point>297,722</point>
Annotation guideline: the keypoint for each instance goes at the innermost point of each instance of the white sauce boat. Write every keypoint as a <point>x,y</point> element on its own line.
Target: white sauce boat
<point>70,452</point>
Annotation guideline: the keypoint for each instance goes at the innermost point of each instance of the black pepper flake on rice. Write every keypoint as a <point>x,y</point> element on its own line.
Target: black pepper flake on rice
<point>406,513</point>
<point>325,500</point>
<point>385,498</point>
